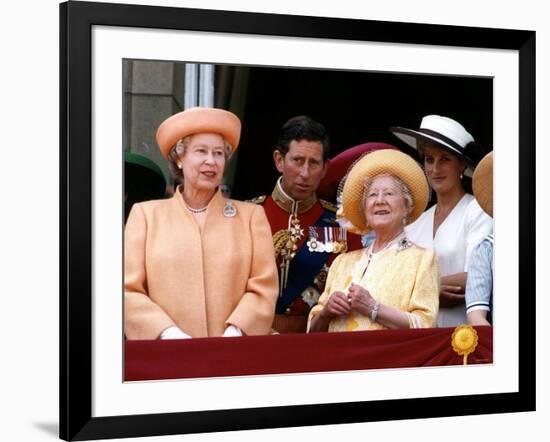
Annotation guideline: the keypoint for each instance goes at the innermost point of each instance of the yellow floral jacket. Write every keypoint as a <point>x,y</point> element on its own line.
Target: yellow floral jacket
<point>406,279</point>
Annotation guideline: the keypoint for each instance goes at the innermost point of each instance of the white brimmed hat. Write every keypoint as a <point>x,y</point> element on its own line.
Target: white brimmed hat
<point>446,133</point>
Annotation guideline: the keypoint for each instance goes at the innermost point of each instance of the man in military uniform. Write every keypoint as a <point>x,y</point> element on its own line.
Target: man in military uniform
<point>306,235</point>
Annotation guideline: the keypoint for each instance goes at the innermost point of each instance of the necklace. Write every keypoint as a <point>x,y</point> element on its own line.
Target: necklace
<point>390,243</point>
<point>202,209</point>
<point>399,238</point>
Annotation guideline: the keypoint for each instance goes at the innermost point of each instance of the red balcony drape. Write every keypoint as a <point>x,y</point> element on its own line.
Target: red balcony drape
<point>297,353</point>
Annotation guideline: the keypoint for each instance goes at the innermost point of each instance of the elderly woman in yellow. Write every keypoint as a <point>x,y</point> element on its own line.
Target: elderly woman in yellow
<point>393,283</point>
<point>198,264</point>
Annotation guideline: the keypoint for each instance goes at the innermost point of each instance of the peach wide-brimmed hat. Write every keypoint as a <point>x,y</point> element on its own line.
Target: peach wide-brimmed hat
<point>197,120</point>
<point>385,161</point>
<point>482,183</point>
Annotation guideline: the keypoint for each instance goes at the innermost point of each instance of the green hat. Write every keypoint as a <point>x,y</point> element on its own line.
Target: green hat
<point>143,179</point>
<point>140,160</point>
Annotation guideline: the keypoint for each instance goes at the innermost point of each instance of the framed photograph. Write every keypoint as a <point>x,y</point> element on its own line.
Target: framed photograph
<point>359,77</point>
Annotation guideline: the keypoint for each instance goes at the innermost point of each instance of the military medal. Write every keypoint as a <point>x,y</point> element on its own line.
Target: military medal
<point>344,247</point>
<point>328,240</point>
<point>344,242</point>
<point>229,210</point>
<point>338,246</point>
<point>313,244</point>
<point>320,243</point>
<point>320,247</point>
<point>296,231</point>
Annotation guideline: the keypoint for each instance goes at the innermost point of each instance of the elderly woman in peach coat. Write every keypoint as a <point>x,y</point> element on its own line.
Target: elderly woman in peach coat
<point>198,264</point>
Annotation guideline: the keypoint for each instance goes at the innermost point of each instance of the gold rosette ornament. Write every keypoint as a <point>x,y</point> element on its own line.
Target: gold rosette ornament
<point>464,341</point>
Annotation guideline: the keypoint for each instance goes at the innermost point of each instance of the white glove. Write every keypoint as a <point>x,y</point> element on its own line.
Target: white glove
<point>174,332</point>
<point>232,331</point>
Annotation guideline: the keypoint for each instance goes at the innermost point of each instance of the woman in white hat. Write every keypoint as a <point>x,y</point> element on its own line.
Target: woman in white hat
<point>392,283</point>
<point>454,225</point>
<point>198,264</point>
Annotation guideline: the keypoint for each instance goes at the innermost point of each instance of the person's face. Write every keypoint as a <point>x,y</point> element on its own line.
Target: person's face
<point>443,169</point>
<point>302,168</point>
<point>385,205</point>
<point>203,162</point>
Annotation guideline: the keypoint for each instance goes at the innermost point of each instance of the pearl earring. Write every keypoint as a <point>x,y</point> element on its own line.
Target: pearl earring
<point>179,166</point>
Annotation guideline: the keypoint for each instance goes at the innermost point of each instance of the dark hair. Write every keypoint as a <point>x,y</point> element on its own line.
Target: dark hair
<point>303,128</point>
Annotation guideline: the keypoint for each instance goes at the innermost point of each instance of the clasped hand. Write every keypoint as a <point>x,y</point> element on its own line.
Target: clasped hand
<point>451,295</point>
<point>358,299</point>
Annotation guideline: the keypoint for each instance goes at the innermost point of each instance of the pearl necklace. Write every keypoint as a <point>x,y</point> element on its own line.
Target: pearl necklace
<point>201,210</point>
<point>370,252</point>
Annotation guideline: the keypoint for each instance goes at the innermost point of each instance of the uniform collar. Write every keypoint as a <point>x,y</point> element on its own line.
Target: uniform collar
<point>285,202</point>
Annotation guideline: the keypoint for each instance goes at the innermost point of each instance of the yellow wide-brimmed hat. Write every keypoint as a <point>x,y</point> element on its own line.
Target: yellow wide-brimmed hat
<point>197,120</point>
<point>482,183</point>
<point>386,161</point>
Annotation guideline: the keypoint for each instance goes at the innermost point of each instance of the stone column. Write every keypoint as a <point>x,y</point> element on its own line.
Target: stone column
<point>153,90</point>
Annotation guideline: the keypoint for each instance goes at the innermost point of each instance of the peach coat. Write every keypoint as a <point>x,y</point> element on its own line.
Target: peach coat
<point>174,275</point>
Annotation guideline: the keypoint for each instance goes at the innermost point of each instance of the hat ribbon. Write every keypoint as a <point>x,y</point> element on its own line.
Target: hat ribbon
<point>449,141</point>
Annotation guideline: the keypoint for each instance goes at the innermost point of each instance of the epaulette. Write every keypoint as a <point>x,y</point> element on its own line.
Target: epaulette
<point>257,200</point>
<point>328,206</point>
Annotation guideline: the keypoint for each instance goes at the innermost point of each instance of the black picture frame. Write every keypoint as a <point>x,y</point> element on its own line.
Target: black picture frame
<point>76,22</point>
